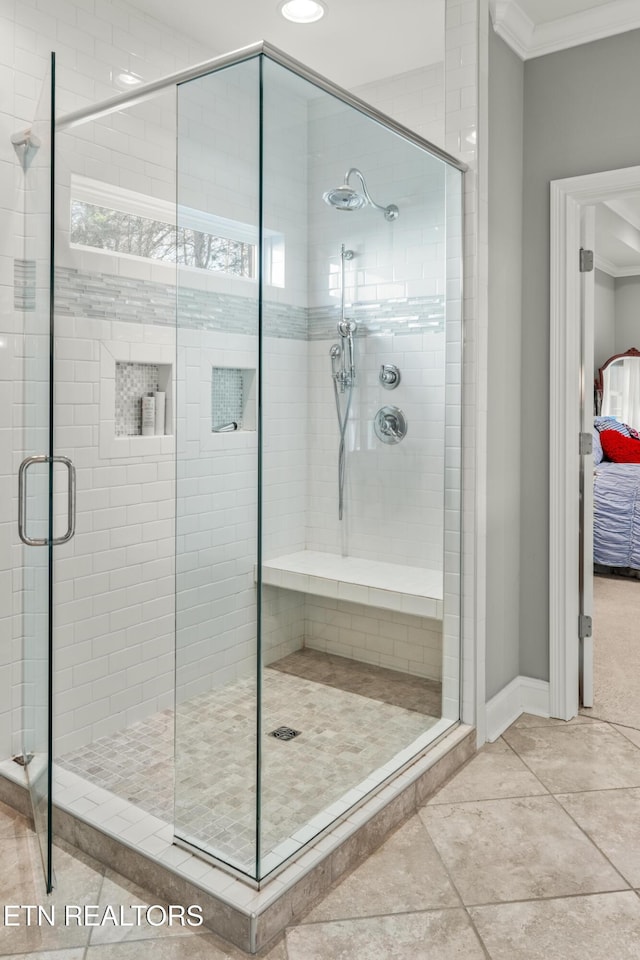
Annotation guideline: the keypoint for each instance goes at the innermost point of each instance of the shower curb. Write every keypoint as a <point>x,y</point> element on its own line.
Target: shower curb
<point>285,898</point>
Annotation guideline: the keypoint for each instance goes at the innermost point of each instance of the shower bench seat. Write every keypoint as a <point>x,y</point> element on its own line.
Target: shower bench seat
<point>392,586</point>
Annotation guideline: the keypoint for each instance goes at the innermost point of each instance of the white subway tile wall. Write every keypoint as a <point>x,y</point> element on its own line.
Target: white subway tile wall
<point>87,43</point>
<point>466,25</point>
<point>114,629</point>
<point>415,99</point>
<point>402,642</point>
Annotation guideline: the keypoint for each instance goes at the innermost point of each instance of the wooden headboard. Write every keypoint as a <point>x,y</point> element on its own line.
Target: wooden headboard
<point>599,382</point>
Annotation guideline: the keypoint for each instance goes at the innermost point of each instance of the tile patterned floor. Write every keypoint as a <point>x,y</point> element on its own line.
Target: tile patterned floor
<point>329,699</point>
<point>377,683</point>
<point>513,859</point>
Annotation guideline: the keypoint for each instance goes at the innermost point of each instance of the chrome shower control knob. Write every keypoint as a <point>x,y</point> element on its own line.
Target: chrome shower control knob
<point>389,376</point>
<point>390,424</point>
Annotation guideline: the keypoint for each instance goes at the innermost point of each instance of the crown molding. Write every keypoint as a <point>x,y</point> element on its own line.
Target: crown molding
<point>530,40</point>
<point>614,271</point>
<point>620,207</point>
<point>512,24</point>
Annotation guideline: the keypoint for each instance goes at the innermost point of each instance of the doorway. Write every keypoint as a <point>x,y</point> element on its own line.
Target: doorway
<point>573,227</point>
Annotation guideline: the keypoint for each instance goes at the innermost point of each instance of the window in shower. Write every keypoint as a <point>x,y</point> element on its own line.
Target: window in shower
<point>118,221</point>
<point>121,222</point>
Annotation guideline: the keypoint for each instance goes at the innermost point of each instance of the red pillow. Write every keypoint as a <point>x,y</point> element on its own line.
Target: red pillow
<point>618,448</point>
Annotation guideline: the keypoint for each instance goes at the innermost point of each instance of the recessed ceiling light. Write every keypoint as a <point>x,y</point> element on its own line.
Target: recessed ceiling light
<point>302,11</point>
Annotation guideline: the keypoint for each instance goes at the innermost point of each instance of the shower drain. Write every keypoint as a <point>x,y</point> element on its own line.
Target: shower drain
<point>285,733</point>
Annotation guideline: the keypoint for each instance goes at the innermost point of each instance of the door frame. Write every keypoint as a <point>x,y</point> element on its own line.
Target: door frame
<point>568,197</point>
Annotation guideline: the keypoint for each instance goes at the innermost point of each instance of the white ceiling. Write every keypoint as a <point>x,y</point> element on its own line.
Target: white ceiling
<point>361,41</point>
<point>356,42</point>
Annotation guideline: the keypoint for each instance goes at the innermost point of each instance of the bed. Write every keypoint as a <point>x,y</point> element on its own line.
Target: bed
<point>616,515</point>
<point>616,491</point>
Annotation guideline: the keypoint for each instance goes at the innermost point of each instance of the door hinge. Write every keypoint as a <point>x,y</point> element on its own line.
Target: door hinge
<point>585,626</point>
<point>585,443</point>
<point>586,260</point>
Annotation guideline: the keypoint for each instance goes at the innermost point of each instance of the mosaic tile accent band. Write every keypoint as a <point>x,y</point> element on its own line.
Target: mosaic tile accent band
<point>111,297</point>
<point>24,285</point>
<point>133,382</point>
<point>406,315</point>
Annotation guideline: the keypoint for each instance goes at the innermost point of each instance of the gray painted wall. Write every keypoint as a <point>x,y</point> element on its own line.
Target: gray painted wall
<point>506,77</point>
<point>580,116</point>
<point>604,341</point>
<point>627,314</point>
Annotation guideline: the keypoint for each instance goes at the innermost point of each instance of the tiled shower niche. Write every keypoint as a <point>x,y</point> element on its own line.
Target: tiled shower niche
<point>133,381</point>
<point>233,398</point>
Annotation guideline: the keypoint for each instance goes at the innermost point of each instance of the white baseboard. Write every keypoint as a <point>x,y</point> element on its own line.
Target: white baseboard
<point>522,695</point>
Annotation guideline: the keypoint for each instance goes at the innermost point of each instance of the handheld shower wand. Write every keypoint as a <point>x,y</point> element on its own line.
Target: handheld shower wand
<point>343,374</point>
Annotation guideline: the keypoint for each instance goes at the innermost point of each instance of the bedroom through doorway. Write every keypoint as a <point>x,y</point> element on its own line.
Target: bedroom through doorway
<point>616,463</point>
<point>595,477</point>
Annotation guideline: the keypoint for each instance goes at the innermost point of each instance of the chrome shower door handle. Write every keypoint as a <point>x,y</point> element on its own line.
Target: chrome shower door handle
<point>22,501</point>
<point>71,501</point>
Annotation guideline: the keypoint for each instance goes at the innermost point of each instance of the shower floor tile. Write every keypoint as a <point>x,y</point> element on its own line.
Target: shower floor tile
<point>377,683</point>
<point>345,735</point>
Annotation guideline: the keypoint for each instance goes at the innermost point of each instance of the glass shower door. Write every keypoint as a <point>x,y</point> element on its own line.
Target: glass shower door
<point>217,471</point>
<point>33,295</point>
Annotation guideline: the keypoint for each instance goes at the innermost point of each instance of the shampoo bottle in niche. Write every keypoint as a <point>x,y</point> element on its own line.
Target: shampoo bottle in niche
<point>148,416</point>
<point>160,399</point>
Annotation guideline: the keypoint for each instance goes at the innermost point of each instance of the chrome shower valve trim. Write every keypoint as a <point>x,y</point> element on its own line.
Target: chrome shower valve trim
<point>389,376</point>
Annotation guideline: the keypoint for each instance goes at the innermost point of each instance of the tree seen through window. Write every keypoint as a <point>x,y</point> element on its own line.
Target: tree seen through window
<point>105,229</point>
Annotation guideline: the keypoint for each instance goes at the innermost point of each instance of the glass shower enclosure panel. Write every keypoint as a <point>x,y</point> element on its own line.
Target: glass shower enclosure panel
<point>354,346</point>
<point>35,506</point>
<point>318,457</point>
<point>218,465</point>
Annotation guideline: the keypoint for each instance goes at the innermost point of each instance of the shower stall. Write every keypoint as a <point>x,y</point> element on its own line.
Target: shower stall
<point>256,384</point>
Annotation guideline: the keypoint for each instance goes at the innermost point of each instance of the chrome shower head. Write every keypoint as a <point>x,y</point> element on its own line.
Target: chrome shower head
<point>346,198</point>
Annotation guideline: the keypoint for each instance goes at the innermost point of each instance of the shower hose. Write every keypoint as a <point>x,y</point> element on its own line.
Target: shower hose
<point>342,423</point>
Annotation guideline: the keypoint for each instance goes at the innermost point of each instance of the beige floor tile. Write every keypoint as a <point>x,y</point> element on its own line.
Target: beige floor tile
<point>629,732</point>
<point>278,952</point>
<point>494,772</point>
<point>529,720</point>
<point>405,874</point>
<point>194,947</point>
<point>589,756</point>
<point>441,935</point>
<point>601,927</point>
<point>69,953</point>
<point>501,850</point>
<point>117,892</point>
<point>78,882</point>
<point>17,877</point>
<point>612,819</point>
<point>12,824</point>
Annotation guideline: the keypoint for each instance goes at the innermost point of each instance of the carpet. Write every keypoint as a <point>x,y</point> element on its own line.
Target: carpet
<point>616,651</point>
